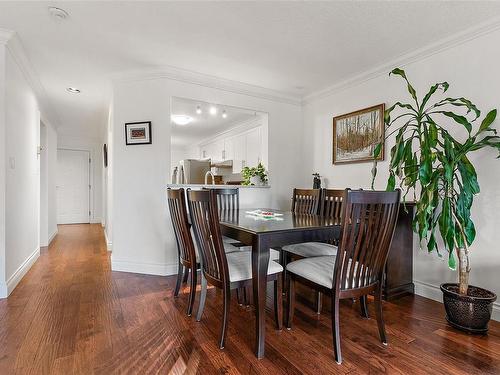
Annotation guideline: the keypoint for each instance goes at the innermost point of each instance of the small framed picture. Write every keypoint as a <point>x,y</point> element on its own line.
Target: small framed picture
<point>138,133</point>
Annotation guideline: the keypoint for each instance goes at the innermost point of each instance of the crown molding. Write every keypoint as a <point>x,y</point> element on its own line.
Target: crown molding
<point>205,80</point>
<point>14,46</point>
<point>408,58</point>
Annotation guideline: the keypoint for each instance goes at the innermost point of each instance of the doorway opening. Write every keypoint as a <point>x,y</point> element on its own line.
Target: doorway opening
<point>73,186</point>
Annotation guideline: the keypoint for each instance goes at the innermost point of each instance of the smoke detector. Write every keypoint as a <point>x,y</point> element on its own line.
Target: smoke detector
<point>58,13</point>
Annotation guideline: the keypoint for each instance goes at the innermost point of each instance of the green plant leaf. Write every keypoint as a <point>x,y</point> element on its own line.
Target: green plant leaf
<point>459,119</point>
<point>488,120</point>
<point>377,150</point>
<point>391,182</point>
<point>451,262</point>
<point>425,169</point>
<point>411,90</point>
<point>433,89</point>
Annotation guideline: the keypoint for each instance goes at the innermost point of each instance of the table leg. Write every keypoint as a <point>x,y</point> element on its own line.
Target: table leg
<point>260,262</point>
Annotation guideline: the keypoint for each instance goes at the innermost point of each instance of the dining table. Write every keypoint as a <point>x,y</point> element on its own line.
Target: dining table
<point>265,232</point>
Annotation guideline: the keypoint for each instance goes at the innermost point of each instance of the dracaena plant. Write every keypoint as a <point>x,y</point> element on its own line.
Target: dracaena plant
<point>434,165</point>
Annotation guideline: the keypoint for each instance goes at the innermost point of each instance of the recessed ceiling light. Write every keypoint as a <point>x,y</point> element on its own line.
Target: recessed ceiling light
<point>73,90</point>
<point>224,114</point>
<point>58,13</point>
<point>198,110</point>
<point>181,119</point>
<point>213,110</point>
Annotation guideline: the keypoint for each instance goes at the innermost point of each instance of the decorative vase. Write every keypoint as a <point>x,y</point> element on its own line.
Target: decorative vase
<point>471,312</point>
<point>256,181</point>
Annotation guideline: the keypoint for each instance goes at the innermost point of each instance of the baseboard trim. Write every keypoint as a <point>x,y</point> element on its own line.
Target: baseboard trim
<point>52,236</point>
<point>158,269</point>
<point>434,292</point>
<point>109,244</point>
<point>19,274</point>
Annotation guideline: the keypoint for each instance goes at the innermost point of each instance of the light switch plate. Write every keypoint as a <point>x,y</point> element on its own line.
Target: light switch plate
<point>12,162</point>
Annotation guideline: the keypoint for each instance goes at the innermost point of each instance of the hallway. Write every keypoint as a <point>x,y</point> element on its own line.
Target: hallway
<point>72,315</point>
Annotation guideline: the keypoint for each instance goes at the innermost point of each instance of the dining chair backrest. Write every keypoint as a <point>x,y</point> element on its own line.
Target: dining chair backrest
<point>331,203</point>
<point>227,199</point>
<point>178,214</point>
<point>205,221</point>
<point>368,223</point>
<point>306,201</point>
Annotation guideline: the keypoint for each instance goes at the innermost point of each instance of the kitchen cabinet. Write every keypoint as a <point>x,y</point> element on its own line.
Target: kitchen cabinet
<point>245,149</point>
<point>253,147</point>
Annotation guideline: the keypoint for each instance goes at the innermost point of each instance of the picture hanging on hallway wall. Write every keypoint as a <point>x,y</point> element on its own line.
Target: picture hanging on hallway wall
<point>138,133</point>
<point>356,134</point>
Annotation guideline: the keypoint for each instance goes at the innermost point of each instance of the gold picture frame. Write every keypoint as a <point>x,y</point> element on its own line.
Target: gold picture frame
<point>355,135</point>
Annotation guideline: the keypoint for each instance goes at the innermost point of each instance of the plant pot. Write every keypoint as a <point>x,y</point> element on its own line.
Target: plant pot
<point>471,312</point>
<point>255,180</point>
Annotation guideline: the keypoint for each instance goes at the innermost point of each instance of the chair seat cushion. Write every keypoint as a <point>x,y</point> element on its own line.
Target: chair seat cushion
<point>240,266</point>
<point>274,254</point>
<point>319,270</point>
<point>311,249</point>
<point>228,248</point>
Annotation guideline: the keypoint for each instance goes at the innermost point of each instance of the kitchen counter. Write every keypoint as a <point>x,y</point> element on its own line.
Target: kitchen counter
<point>217,186</point>
<point>250,196</point>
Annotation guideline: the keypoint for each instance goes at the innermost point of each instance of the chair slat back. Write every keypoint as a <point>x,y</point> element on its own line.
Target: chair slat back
<point>306,201</point>
<point>227,199</point>
<point>178,214</point>
<point>205,221</point>
<point>368,223</point>
<point>331,203</point>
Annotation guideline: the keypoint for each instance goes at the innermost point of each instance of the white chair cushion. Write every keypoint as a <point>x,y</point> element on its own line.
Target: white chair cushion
<point>311,249</point>
<point>274,254</point>
<point>240,266</point>
<point>228,248</point>
<point>319,270</point>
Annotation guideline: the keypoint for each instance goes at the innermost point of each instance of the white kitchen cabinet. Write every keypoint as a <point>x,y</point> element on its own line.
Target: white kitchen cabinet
<point>239,152</point>
<point>245,149</point>
<point>228,149</point>
<point>253,147</point>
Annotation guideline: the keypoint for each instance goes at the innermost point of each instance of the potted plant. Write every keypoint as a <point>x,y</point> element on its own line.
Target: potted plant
<point>435,166</point>
<point>255,175</point>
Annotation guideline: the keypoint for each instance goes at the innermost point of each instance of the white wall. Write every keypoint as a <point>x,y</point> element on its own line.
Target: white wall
<point>44,187</point>
<point>51,153</point>
<point>472,71</point>
<point>142,237</point>
<point>94,146</point>
<point>3,165</point>
<point>48,169</point>
<point>22,121</point>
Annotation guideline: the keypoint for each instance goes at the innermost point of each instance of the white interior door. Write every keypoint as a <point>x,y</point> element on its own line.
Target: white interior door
<point>73,187</point>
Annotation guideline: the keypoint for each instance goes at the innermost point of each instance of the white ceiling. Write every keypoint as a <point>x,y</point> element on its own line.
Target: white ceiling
<point>293,47</point>
<point>204,125</point>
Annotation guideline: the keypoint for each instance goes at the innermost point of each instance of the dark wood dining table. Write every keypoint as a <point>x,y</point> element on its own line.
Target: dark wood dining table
<point>263,234</point>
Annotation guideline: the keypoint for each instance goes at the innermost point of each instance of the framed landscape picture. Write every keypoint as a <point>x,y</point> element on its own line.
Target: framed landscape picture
<point>138,133</point>
<point>356,134</point>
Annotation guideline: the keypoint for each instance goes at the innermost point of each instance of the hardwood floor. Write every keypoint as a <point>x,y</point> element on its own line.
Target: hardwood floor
<point>72,315</point>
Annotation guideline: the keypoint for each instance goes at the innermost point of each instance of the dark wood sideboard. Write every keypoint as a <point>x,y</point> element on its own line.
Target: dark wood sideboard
<point>399,267</point>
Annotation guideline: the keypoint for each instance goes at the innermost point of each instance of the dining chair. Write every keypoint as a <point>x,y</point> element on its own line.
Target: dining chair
<point>225,271</point>
<point>306,201</point>
<point>185,246</point>
<point>368,223</point>
<point>228,204</point>
<point>330,206</point>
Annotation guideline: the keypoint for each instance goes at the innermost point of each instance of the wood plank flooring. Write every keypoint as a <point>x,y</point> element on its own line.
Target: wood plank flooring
<point>72,315</point>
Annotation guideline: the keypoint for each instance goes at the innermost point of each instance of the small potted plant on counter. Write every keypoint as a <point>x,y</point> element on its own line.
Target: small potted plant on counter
<point>431,162</point>
<point>256,176</point>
